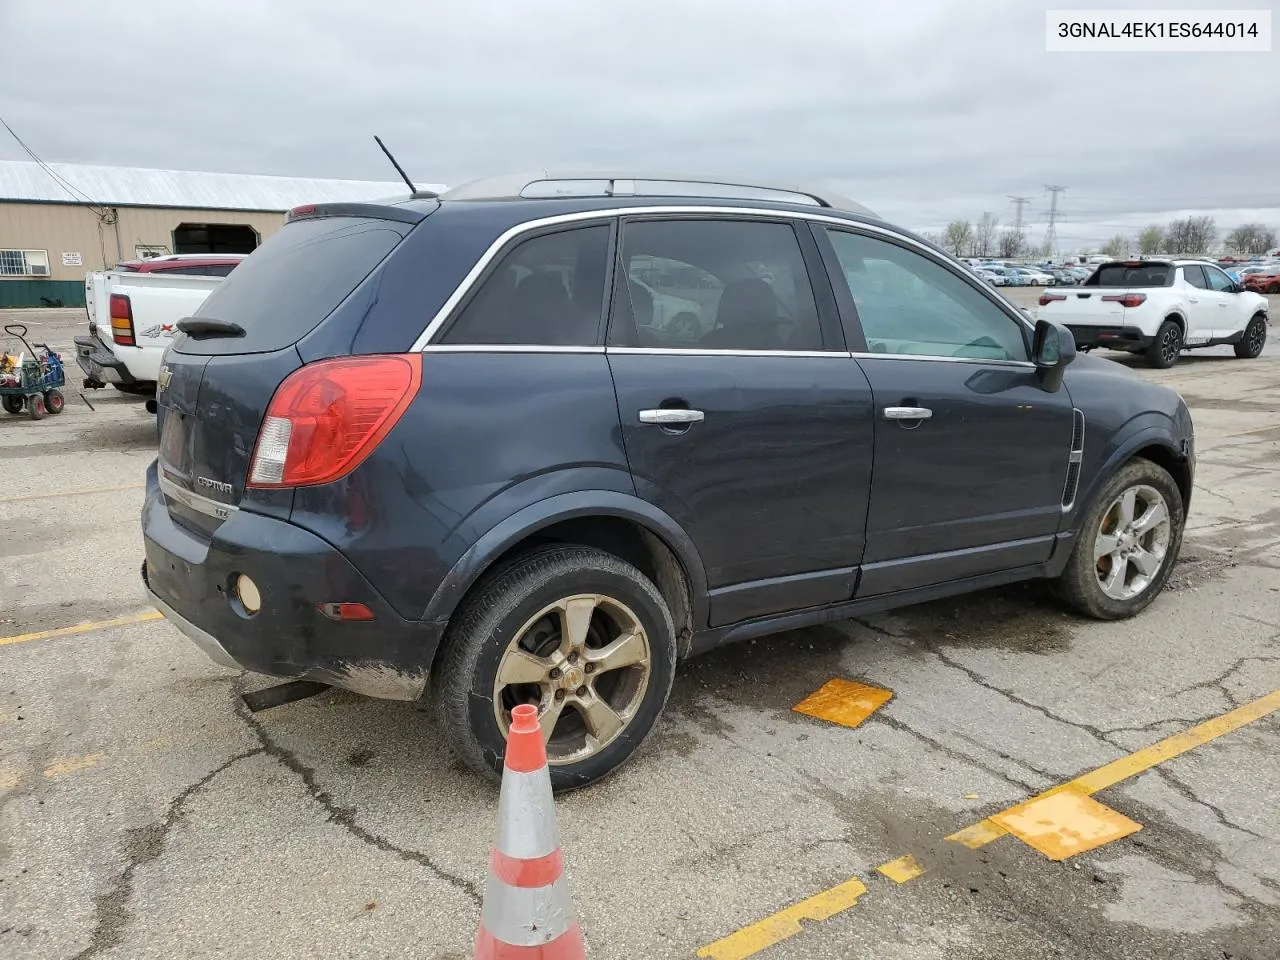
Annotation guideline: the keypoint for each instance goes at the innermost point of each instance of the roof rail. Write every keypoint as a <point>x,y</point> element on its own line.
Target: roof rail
<point>547,184</point>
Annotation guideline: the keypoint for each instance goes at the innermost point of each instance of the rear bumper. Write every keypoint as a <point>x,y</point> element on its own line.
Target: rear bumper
<point>1112,335</point>
<point>191,580</point>
<point>98,363</point>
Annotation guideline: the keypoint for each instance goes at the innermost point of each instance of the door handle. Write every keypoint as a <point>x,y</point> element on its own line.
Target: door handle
<point>1193,299</point>
<point>669,416</point>
<point>907,413</point>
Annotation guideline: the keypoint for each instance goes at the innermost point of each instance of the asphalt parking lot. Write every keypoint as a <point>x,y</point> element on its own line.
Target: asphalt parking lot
<point>144,813</point>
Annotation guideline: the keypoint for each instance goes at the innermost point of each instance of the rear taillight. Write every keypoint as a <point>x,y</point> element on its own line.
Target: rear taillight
<point>1048,298</point>
<point>1127,299</point>
<point>328,416</point>
<point>122,320</point>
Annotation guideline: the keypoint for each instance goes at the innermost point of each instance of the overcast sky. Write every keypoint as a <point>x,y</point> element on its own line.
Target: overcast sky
<point>923,110</point>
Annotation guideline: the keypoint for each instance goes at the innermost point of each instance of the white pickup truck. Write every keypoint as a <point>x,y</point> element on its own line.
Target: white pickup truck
<point>132,318</point>
<point>1159,308</point>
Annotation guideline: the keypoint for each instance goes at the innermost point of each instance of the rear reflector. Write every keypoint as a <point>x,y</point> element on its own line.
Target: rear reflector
<point>122,320</point>
<point>346,611</point>
<point>328,416</point>
<point>1127,299</point>
<point>1047,298</point>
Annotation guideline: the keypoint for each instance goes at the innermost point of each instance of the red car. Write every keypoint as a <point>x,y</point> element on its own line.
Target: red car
<point>1264,281</point>
<point>189,264</point>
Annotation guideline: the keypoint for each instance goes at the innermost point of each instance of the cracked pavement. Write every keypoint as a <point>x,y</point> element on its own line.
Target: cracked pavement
<point>145,813</point>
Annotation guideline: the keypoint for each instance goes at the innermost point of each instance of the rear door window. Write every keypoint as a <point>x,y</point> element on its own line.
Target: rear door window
<point>714,285</point>
<point>1195,276</point>
<point>294,280</point>
<point>547,291</point>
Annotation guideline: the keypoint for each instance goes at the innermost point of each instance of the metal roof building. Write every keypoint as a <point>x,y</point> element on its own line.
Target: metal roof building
<point>59,220</point>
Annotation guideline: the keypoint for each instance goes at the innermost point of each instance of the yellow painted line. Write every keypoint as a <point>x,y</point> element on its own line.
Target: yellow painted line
<point>60,768</point>
<point>1249,433</point>
<point>1066,824</point>
<point>765,933</point>
<point>82,491</point>
<point>845,702</point>
<point>786,923</point>
<point>1140,761</point>
<point>901,870</point>
<point>83,627</point>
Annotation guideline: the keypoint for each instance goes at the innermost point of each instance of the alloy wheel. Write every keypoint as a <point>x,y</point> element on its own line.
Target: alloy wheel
<point>585,663</point>
<point>1256,335</point>
<point>1132,542</point>
<point>1170,345</point>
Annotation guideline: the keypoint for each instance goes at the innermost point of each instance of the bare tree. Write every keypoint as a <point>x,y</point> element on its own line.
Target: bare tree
<point>1116,247</point>
<point>1151,240</point>
<point>1012,243</point>
<point>1191,235</point>
<point>985,236</point>
<point>934,237</point>
<point>1250,239</point>
<point>958,237</point>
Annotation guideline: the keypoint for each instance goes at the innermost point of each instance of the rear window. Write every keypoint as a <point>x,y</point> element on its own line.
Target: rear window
<point>294,280</point>
<point>1131,275</point>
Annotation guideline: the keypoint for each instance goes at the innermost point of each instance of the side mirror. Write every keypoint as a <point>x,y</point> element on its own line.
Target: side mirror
<point>1052,348</point>
<point>1237,287</point>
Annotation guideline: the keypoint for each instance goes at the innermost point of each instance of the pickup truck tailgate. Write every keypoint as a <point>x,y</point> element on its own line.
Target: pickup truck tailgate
<point>1087,307</point>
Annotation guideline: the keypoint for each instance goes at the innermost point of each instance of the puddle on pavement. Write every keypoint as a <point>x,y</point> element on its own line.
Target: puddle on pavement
<point>1022,618</point>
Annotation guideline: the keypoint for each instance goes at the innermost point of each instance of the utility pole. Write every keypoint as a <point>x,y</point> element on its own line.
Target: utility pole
<point>1051,234</point>
<point>1018,204</point>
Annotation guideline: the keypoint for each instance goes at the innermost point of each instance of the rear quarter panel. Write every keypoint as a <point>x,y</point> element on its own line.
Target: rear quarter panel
<point>488,435</point>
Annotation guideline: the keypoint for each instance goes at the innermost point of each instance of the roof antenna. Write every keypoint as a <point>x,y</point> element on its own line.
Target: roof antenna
<point>399,169</point>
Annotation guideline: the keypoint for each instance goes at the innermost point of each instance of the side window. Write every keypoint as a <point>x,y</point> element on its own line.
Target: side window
<point>1218,280</point>
<point>220,269</point>
<point>547,291</point>
<point>714,285</point>
<point>1195,276</point>
<point>911,305</point>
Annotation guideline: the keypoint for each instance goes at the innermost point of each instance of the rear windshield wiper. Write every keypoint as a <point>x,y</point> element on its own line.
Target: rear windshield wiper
<point>208,327</point>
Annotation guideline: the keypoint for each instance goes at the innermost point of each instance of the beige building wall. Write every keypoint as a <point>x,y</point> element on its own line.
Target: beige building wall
<point>67,228</point>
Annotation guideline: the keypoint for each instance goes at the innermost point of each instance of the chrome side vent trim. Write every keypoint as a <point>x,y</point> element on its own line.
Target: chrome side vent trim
<point>1073,461</point>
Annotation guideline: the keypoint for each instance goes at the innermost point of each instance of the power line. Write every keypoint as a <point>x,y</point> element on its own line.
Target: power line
<point>1018,203</point>
<point>1051,234</point>
<point>57,178</point>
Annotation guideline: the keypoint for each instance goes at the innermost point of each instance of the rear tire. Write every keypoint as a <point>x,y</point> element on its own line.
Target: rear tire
<point>35,407</point>
<point>1253,339</point>
<point>1104,542</point>
<point>54,402</point>
<point>516,620</point>
<point>12,404</point>
<point>1164,350</point>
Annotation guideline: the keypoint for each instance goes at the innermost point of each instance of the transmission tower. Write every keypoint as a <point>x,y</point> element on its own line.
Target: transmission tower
<point>1051,234</point>
<point>1018,204</point>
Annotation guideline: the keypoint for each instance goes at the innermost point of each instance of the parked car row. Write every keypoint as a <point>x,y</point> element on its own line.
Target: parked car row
<point>1003,274</point>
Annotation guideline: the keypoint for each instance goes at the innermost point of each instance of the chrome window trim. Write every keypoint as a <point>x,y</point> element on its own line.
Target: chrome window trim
<point>699,352</point>
<point>505,348</point>
<point>1026,364</point>
<point>201,504</point>
<point>755,213</point>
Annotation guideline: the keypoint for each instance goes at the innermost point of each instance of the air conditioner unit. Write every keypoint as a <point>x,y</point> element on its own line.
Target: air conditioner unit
<point>39,270</point>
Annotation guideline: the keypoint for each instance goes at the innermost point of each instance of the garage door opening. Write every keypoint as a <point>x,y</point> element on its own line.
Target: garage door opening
<point>214,238</point>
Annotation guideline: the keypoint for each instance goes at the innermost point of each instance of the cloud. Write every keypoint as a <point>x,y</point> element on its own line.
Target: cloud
<point>938,113</point>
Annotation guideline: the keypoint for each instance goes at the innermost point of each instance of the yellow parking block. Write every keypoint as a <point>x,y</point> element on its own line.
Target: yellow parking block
<point>845,702</point>
<point>901,870</point>
<point>1066,823</point>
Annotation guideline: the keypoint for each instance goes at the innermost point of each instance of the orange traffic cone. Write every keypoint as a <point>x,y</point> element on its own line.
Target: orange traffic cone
<point>527,912</point>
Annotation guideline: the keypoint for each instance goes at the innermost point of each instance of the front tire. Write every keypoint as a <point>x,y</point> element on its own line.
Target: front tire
<point>1253,340</point>
<point>1164,350</point>
<point>1126,544</point>
<point>584,636</point>
<point>54,401</point>
<point>35,406</point>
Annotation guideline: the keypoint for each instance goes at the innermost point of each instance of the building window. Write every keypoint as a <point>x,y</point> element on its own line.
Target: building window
<point>24,263</point>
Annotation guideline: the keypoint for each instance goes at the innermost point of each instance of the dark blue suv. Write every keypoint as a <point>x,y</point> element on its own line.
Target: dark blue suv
<point>536,439</point>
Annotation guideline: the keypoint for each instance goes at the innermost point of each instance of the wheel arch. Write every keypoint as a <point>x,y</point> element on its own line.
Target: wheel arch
<point>625,526</point>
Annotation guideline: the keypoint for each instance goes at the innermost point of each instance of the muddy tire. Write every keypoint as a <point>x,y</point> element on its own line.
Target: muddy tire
<point>54,401</point>
<point>1127,543</point>
<point>576,631</point>
<point>35,407</point>
<point>12,404</point>
<point>1164,350</point>
<point>1253,340</point>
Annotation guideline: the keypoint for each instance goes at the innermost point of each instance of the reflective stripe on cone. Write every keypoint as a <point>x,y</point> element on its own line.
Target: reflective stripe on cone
<point>528,913</point>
